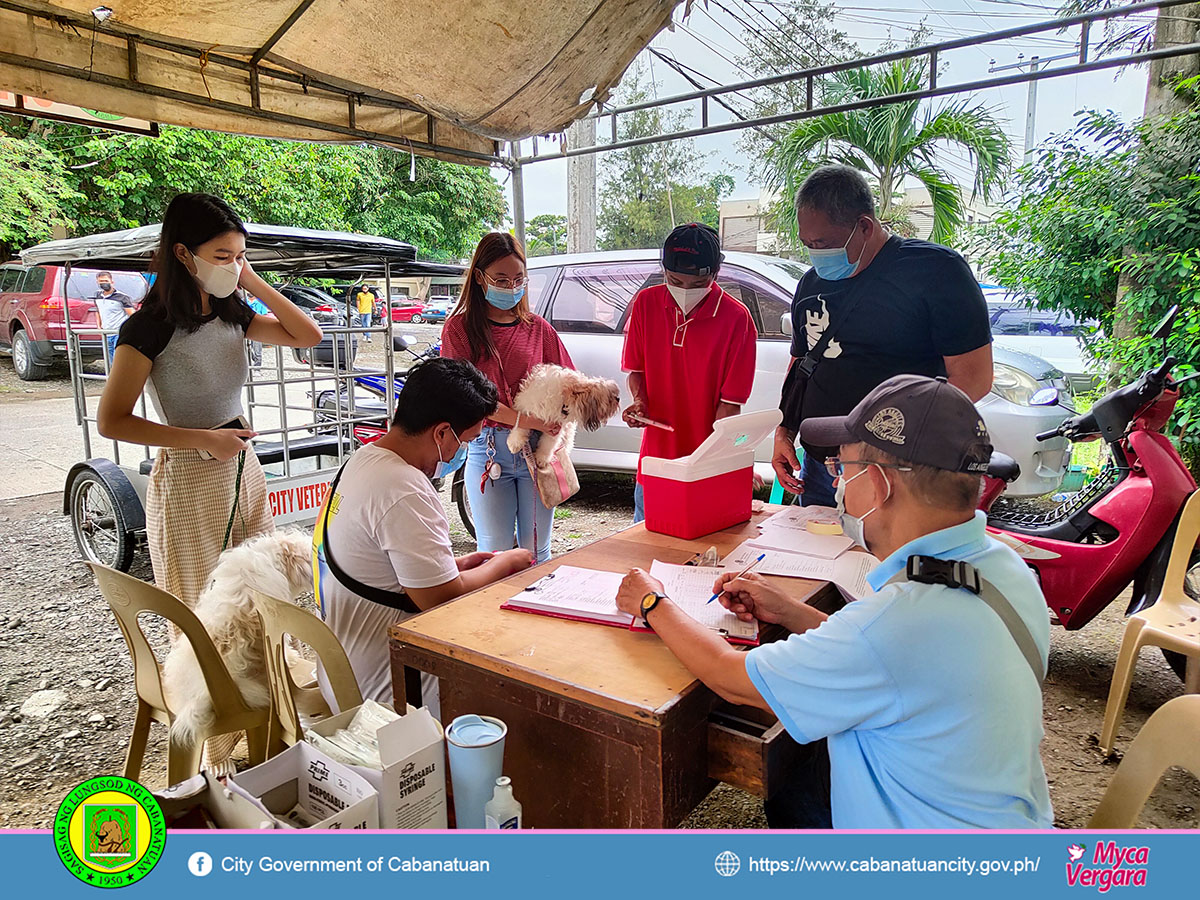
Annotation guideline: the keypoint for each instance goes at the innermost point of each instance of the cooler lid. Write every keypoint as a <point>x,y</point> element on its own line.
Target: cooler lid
<point>736,434</point>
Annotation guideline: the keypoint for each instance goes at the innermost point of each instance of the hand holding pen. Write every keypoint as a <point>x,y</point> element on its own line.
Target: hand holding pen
<point>745,571</point>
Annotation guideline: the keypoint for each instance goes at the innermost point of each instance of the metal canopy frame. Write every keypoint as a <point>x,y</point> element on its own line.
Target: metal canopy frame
<point>252,108</point>
<point>931,52</point>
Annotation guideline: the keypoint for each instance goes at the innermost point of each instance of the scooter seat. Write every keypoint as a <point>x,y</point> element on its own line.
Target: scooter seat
<point>1004,467</point>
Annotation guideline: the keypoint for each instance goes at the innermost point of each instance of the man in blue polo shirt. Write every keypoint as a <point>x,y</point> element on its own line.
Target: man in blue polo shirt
<point>920,705</point>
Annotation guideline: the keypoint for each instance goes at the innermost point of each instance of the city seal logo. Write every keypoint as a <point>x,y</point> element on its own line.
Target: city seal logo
<point>887,425</point>
<point>109,832</point>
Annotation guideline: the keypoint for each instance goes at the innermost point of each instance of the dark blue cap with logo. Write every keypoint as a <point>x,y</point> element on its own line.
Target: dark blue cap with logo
<point>926,421</point>
<point>692,249</point>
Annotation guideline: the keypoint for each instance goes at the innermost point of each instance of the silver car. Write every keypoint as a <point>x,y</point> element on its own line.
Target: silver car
<point>586,297</point>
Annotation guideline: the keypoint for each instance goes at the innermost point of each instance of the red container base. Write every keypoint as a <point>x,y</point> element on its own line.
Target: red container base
<point>689,509</point>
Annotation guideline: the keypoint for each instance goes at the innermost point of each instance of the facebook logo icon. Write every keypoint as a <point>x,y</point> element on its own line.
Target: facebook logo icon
<point>200,864</point>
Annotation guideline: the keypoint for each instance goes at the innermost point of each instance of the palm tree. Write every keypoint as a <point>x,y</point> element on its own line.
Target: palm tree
<point>890,142</point>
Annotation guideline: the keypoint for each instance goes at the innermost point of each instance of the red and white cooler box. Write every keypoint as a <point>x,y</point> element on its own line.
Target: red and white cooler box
<point>711,488</point>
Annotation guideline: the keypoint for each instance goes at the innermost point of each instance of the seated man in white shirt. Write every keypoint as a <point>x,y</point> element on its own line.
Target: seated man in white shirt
<point>383,553</point>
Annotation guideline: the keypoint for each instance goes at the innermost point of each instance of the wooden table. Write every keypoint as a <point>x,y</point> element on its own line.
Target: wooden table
<point>606,729</point>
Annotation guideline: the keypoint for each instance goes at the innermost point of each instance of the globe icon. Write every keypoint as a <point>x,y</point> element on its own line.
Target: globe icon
<point>727,863</point>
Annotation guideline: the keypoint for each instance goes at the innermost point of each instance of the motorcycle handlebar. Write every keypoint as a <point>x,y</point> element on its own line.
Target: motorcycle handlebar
<point>1046,435</point>
<point>1159,375</point>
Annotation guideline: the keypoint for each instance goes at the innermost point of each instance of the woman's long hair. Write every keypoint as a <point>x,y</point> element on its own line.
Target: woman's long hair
<point>473,305</point>
<point>191,220</point>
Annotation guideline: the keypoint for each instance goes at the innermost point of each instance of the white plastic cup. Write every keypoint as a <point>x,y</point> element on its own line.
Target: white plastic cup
<point>476,748</point>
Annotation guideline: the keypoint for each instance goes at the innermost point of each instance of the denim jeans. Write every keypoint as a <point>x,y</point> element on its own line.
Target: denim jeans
<point>507,505</point>
<point>818,483</point>
<point>110,342</point>
<point>363,320</point>
<point>804,799</point>
<point>639,503</point>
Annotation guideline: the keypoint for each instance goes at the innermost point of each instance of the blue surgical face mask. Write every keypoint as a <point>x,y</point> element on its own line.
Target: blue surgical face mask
<point>504,298</point>
<point>835,265</point>
<point>852,526</point>
<point>451,465</point>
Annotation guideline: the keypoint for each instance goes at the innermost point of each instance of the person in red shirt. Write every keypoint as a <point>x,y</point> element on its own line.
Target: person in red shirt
<point>689,351</point>
<point>493,328</point>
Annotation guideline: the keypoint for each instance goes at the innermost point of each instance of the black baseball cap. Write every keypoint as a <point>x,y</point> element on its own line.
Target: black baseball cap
<point>692,249</point>
<point>926,421</point>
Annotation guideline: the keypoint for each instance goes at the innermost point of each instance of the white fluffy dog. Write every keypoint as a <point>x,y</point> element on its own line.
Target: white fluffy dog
<point>278,565</point>
<point>556,394</point>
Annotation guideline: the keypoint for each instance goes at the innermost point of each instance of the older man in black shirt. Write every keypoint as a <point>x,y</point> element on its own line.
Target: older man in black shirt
<point>874,305</point>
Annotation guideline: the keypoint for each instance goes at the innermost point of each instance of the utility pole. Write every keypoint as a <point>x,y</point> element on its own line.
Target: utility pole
<point>1033,64</point>
<point>518,189</point>
<point>581,189</point>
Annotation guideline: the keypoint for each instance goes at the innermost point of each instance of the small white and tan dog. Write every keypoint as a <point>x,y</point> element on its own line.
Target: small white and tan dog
<point>561,395</point>
<point>278,565</point>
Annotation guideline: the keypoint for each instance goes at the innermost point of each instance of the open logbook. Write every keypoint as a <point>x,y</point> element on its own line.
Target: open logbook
<point>589,595</point>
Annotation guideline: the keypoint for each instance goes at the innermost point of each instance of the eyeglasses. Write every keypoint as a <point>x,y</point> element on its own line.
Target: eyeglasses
<point>837,467</point>
<point>507,284</point>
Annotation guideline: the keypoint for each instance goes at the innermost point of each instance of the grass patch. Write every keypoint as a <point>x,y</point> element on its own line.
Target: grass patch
<point>560,513</point>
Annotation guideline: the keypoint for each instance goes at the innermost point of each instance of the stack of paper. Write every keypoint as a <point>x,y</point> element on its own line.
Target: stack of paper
<point>788,548</point>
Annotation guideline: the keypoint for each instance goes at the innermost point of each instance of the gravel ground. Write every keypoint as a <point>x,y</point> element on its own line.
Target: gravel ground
<point>57,636</point>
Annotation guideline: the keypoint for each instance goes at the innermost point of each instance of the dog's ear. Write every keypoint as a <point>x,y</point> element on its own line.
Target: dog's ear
<point>295,555</point>
<point>597,401</point>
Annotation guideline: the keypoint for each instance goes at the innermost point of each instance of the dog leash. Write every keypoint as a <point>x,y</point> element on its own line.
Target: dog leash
<point>237,496</point>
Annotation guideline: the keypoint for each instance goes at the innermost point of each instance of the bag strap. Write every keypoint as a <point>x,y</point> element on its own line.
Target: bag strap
<point>957,574</point>
<point>808,363</point>
<point>392,599</point>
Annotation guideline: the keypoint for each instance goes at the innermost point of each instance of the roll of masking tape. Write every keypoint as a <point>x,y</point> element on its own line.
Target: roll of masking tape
<point>816,527</point>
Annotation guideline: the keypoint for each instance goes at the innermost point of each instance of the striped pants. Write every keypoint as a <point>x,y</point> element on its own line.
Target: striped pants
<point>188,503</point>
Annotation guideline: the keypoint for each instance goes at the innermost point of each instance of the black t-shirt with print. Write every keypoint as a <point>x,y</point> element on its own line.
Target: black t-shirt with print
<point>916,303</point>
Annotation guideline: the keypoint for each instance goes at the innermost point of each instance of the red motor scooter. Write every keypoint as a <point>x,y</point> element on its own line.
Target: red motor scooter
<point>1120,528</point>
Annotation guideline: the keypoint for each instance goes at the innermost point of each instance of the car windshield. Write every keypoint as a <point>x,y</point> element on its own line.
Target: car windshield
<point>794,270</point>
<point>82,284</point>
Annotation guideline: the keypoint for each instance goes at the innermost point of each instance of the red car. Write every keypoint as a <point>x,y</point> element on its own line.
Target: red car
<point>408,312</point>
<point>31,313</point>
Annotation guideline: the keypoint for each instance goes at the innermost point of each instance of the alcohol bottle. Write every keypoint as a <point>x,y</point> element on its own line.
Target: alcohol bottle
<point>502,811</point>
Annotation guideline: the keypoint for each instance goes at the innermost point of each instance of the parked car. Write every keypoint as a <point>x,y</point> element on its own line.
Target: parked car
<point>407,312</point>
<point>586,297</point>
<point>1057,337</point>
<point>316,303</point>
<point>434,311</point>
<point>34,332</point>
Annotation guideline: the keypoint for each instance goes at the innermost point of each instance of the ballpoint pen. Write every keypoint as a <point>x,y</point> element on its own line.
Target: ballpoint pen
<point>744,571</point>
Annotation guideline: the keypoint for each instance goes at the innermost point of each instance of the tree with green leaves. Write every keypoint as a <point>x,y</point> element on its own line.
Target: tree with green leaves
<point>35,195</point>
<point>123,180</point>
<point>546,235</point>
<point>891,142</point>
<point>1106,224</point>
<point>645,191</point>
<point>789,36</point>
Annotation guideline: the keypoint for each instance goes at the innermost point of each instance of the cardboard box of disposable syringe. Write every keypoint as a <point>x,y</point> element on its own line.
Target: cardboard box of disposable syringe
<point>304,788</point>
<point>412,784</point>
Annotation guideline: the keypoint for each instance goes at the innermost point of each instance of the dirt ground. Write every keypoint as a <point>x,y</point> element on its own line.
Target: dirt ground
<point>58,636</point>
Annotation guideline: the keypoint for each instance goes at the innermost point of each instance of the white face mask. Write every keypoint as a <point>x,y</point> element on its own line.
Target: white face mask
<point>688,298</point>
<point>852,526</point>
<point>218,281</point>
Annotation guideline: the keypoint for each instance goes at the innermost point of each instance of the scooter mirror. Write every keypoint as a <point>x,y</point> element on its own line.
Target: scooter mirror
<point>1163,329</point>
<point>402,341</point>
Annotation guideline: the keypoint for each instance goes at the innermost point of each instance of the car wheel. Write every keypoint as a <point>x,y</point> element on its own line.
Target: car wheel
<point>98,524</point>
<point>28,369</point>
<point>416,319</point>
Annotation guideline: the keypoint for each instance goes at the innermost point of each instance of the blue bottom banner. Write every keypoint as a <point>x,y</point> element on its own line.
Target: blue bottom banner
<point>613,865</point>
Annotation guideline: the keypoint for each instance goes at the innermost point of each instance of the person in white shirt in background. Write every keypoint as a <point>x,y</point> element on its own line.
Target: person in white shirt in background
<point>386,528</point>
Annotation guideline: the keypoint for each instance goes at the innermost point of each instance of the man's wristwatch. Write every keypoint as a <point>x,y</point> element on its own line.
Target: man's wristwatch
<point>650,601</point>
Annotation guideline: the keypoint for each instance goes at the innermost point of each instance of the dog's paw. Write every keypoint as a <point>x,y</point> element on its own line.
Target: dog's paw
<point>517,440</point>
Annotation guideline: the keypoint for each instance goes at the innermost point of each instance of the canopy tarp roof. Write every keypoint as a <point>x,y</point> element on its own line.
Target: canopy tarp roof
<point>270,248</point>
<point>446,78</point>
